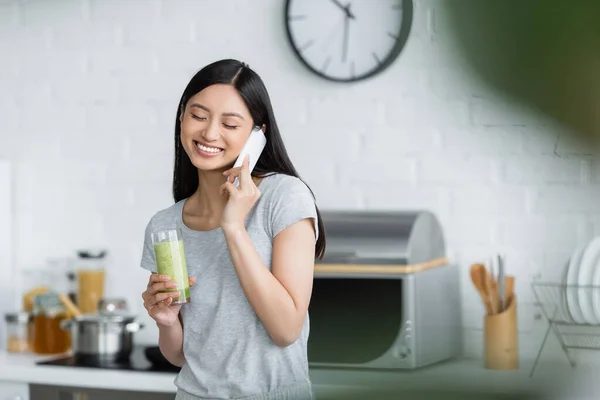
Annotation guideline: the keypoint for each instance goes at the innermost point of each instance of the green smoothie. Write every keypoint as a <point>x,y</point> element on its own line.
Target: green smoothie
<point>170,260</point>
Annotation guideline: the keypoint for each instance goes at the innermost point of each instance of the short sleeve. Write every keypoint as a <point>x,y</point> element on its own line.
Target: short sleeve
<point>148,262</point>
<point>292,201</point>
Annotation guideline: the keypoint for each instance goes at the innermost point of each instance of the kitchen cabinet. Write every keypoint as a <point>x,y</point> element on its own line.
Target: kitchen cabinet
<point>51,392</point>
<point>14,391</point>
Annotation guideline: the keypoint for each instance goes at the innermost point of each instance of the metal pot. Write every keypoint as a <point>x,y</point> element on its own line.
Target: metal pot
<point>108,336</point>
<point>112,305</point>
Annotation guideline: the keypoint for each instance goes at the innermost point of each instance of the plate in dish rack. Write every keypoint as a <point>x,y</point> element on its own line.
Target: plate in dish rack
<point>586,276</point>
<point>596,290</point>
<point>572,278</point>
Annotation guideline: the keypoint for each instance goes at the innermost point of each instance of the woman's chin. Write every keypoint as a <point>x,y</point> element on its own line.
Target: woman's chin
<point>210,165</point>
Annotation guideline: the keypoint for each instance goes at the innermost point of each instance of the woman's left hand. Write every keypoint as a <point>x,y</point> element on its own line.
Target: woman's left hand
<point>241,198</point>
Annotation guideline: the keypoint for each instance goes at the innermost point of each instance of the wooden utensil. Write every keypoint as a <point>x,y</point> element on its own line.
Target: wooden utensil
<point>491,288</point>
<point>478,274</point>
<point>71,308</point>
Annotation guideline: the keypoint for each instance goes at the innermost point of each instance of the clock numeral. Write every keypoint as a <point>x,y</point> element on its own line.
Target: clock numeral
<point>296,17</point>
<point>395,37</point>
<point>376,58</point>
<point>306,45</point>
<point>326,64</point>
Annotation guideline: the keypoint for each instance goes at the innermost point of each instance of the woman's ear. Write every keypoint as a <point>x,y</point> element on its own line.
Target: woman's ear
<point>181,110</point>
<point>263,128</point>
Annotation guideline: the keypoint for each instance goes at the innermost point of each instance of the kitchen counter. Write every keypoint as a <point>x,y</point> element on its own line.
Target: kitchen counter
<point>23,368</point>
<point>556,381</point>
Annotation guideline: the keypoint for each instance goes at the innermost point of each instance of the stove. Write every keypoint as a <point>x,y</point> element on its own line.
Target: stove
<point>137,361</point>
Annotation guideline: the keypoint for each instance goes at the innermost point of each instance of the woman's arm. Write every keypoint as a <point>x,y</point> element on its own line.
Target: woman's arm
<point>170,342</point>
<point>279,297</point>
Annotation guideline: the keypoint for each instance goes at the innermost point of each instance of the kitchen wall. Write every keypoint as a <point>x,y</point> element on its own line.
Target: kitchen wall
<point>89,90</point>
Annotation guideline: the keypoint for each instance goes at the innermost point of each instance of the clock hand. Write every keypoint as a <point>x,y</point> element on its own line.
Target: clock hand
<point>345,9</point>
<point>345,39</point>
<point>348,12</point>
<point>340,5</point>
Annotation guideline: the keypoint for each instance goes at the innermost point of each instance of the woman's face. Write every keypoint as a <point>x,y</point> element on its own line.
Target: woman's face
<point>214,127</point>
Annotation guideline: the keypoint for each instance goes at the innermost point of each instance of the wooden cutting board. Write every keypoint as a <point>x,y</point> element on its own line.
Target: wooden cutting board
<point>380,269</point>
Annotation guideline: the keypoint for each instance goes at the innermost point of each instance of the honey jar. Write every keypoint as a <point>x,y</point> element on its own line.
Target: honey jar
<point>48,335</point>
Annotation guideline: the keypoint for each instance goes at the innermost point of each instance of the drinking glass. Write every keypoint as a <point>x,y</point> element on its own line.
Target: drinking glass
<point>170,260</point>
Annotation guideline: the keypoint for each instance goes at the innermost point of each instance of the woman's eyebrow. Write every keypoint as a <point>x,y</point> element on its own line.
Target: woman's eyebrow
<point>227,114</point>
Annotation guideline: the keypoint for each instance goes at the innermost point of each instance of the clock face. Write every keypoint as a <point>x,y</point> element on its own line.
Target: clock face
<point>348,40</point>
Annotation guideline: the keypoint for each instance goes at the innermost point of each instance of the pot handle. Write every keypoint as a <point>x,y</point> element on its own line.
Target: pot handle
<point>133,326</point>
<point>65,324</point>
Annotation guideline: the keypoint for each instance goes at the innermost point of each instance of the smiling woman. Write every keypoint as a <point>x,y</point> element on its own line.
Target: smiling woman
<point>250,249</point>
<point>223,130</point>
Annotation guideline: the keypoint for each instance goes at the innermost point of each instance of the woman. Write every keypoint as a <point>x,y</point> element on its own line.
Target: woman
<point>250,249</point>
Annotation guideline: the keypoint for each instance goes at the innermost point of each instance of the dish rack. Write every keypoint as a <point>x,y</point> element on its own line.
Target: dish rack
<point>557,302</point>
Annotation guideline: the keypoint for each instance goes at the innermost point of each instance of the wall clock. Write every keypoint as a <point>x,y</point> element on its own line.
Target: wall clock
<point>348,40</point>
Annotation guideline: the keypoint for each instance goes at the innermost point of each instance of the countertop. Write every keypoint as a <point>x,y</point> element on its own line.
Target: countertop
<point>556,381</point>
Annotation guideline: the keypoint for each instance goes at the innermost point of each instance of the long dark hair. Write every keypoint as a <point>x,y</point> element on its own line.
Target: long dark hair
<point>274,158</point>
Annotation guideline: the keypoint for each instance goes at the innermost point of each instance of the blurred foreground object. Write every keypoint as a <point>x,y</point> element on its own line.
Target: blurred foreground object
<point>542,53</point>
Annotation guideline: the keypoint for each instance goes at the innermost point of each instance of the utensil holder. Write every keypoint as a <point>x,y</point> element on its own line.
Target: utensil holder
<point>501,340</point>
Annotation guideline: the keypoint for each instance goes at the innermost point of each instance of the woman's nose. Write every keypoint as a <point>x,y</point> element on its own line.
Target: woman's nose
<point>212,132</point>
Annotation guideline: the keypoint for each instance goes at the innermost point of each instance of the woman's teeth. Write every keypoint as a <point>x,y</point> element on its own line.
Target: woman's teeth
<point>209,149</point>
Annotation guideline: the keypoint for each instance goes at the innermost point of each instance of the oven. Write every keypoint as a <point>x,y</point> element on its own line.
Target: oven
<point>384,295</point>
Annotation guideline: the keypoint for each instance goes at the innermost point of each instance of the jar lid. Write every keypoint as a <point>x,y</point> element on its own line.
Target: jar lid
<point>18,317</point>
<point>48,301</point>
<point>93,254</point>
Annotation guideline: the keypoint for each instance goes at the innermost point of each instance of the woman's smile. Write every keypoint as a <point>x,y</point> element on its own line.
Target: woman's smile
<point>207,151</point>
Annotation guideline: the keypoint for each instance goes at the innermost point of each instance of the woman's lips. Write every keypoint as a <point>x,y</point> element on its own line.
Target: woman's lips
<point>207,151</point>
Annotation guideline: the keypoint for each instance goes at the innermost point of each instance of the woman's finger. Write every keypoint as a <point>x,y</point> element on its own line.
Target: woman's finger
<point>192,280</point>
<point>154,277</point>
<point>161,286</point>
<point>161,297</point>
<point>244,175</point>
<point>229,188</point>
<point>233,171</point>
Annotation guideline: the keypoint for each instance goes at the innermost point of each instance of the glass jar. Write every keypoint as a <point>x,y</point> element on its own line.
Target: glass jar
<point>90,280</point>
<point>17,332</point>
<point>49,336</point>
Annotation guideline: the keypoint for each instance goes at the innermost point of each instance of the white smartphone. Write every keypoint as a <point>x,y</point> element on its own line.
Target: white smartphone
<point>254,147</point>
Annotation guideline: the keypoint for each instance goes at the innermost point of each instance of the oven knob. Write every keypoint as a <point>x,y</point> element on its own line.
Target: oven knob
<point>402,352</point>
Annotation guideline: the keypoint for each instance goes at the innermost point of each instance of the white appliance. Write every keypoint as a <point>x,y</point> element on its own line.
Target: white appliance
<point>385,296</point>
<point>8,300</point>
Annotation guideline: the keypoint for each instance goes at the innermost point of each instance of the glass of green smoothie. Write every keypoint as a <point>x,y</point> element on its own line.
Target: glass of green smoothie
<point>170,260</point>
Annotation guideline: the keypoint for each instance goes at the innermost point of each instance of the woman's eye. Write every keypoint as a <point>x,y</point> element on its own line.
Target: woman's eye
<point>198,118</point>
<point>229,126</point>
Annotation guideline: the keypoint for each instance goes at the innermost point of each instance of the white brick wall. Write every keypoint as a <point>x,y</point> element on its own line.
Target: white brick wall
<point>89,89</point>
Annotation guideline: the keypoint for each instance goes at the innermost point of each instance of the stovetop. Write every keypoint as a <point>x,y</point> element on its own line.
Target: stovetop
<point>137,361</point>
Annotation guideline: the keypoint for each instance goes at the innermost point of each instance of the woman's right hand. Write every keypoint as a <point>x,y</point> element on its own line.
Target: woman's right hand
<point>158,304</point>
